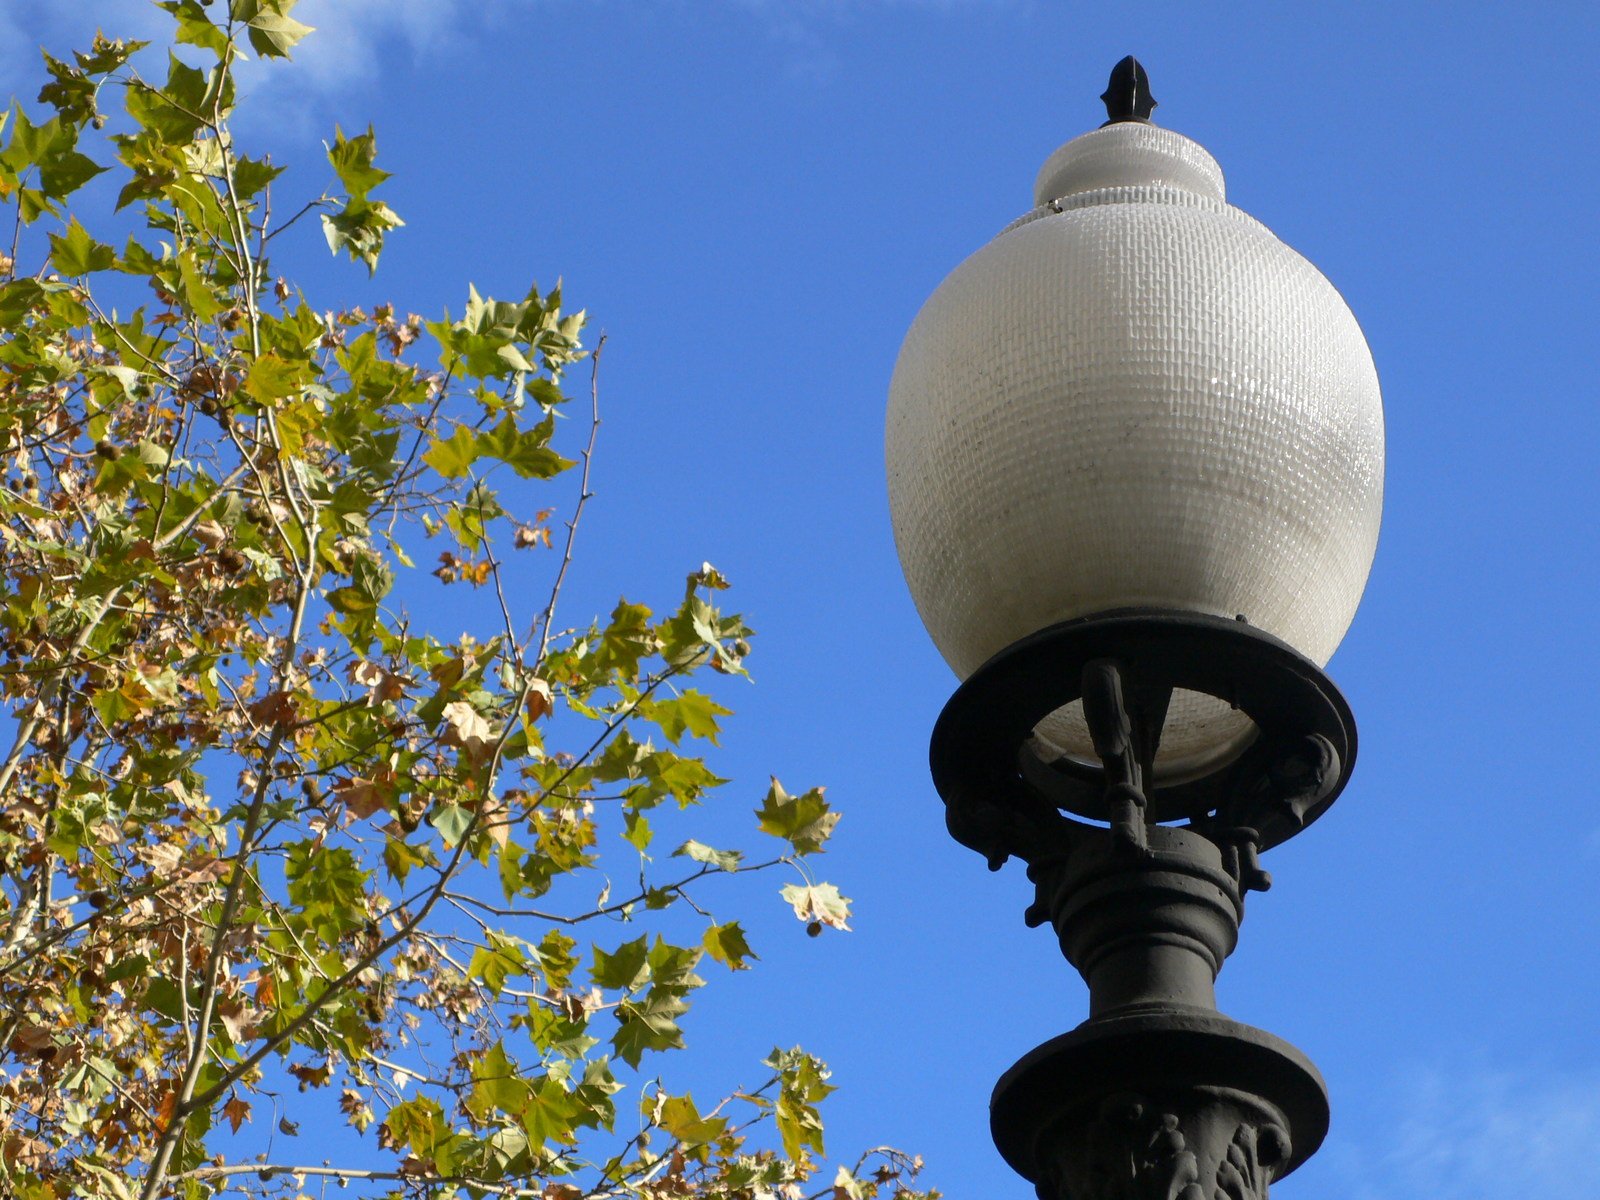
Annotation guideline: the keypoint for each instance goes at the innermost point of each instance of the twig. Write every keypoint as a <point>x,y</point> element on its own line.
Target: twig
<point>547,619</point>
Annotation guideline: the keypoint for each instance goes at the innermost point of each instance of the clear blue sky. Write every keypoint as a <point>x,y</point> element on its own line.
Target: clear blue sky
<point>753,197</point>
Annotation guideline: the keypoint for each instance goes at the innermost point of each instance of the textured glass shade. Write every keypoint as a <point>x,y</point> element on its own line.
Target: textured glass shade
<point>1135,396</point>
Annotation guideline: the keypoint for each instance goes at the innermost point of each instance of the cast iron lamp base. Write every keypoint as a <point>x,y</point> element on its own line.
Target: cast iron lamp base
<point>1157,1095</point>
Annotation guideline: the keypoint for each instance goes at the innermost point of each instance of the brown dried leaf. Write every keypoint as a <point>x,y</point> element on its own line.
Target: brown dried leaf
<point>204,868</point>
<point>238,1018</point>
<point>237,1112</point>
<point>275,708</point>
<point>165,1110</point>
<point>161,858</point>
<point>34,1041</point>
<point>540,702</point>
<point>495,820</point>
<point>362,797</point>
<point>209,533</point>
<point>266,991</point>
<point>528,536</point>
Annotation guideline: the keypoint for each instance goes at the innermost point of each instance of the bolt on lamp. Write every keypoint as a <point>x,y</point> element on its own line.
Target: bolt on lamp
<point>1135,460</point>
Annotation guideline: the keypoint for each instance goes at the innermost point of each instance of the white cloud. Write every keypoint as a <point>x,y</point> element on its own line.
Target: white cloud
<point>339,67</point>
<point>345,53</point>
<point>1474,1134</point>
<point>353,35</point>
<point>346,56</point>
<point>355,38</point>
<point>27,25</point>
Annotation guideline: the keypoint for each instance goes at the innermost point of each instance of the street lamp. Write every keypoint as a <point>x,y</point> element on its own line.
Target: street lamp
<point>1135,457</point>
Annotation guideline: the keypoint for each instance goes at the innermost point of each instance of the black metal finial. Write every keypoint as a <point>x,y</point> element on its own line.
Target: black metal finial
<point>1127,96</point>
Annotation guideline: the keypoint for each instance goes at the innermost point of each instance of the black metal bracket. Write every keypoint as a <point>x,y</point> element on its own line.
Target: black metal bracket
<point>1006,794</point>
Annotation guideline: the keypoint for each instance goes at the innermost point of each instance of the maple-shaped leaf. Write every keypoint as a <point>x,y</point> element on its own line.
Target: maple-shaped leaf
<point>238,1018</point>
<point>804,821</point>
<point>355,1107</point>
<point>362,797</point>
<point>818,904</point>
<point>727,860</point>
<point>624,968</point>
<point>727,944</point>
<point>236,1112</point>
<point>466,727</point>
<point>649,1023</point>
<point>275,708</point>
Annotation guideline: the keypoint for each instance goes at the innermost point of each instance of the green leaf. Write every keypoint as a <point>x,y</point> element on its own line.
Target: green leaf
<point>452,822</point>
<point>636,831</point>
<point>550,1114</point>
<point>692,712</point>
<point>556,959</point>
<point>728,860</point>
<point>50,147</point>
<point>418,1123</point>
<point>648,1024</point>
<point>625,641</point>
<point>727,944</point>
<point>107,54</point>
<point>453,457</point>
<point>187,89</point>
<point>71,92</point>
<point>199,293</point>
<point>679,1117</point>
<point>19,298</point>
<point>76,253</point>
<point>525,451</point>
<point>64,173</point>
<point>352,160</point>
<point>554,1033</point>
<point>493,963</point>
<point>195,28</point>
<point>400,856</point>
<point>496,1084</point>
<point>802,1085</point>
<point>359,228</point>
<point>672,967</point>
<point>251,176</point>
<point>622,969</point>
<point>273,32</point>
<point>272,378</point>
<point>804,821</point>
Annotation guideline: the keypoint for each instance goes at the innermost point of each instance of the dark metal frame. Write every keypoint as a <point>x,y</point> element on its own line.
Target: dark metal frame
<point>1157,1094</point>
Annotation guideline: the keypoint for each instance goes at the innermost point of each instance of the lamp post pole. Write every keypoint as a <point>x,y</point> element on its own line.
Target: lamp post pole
<point>1157,1094</point>
<point>1135,455</point>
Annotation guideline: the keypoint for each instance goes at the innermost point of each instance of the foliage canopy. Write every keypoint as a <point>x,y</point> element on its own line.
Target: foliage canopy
<point>260,825</point>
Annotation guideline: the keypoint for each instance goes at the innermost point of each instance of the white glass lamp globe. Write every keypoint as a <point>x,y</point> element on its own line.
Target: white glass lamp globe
<point>1135,396</point>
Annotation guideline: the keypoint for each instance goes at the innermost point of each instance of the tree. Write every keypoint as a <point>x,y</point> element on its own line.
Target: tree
<point>262,828</point>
